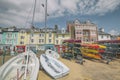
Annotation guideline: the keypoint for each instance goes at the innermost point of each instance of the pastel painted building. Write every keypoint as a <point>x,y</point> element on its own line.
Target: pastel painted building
<point>84,31</point>
<point>103,35</point>
<point>23,38</point>
<point>48,35</point>
<point>9,39</point>
<point>10,36</point>
<point>41,38</point>
<point>61,35</point>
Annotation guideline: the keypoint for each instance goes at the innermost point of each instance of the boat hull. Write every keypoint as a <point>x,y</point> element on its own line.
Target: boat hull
<point>14,69</point>
<point>52,53</point>
<point>53,67</point>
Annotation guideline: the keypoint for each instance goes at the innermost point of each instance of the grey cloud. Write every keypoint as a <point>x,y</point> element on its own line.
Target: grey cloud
<point>7,5</point>
<point>15,11</point>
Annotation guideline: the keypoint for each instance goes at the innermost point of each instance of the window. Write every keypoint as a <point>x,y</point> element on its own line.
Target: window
<point>9,35</point>
<point>49,40</point>
<point>41,35</point>
<point>57,41</point>
<point>102,36</point>
<point>56,36</point>
<point>41,40</point>
<point>21,42</point>
<point>32,40</point>
<point>15,35</point>
<point>63,36</point>
<point>107,36</point>
<point>22,32</point>
<point>50,35</point>
<point>32,35</point>
<point>80,38</point>
<point>80,32</point>
<point>22,37</point>
<point>77,32</point>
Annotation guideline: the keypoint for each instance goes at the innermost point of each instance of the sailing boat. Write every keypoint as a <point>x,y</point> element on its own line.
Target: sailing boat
<point>24,66</point>
<point>53,67</point>
<point>49,61</point>
<point>52,53</point>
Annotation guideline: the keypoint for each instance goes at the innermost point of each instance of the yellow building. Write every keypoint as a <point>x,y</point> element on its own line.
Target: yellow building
<point>60,36</point>
<point>50,37</point>
<point>23,37</point>
<point>23,40</point>
<point>41,38</point>
<point>37,37</point>
<point>34,37</point>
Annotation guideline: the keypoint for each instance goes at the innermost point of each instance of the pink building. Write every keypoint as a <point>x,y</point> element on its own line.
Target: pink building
<point>84,31</point>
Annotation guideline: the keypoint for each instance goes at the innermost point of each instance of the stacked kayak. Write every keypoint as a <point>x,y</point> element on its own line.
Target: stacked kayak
<point>92,50</point>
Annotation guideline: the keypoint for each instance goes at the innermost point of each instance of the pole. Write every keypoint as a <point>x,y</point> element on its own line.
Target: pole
<point>45,19</point>
<point>3,56</point>
<point>33,13</point>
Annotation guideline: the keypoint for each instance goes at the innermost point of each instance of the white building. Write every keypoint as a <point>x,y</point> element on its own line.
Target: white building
<point>102,35</point>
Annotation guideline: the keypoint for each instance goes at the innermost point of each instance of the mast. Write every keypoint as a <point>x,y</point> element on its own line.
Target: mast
<point>33,14</point>
<point>32,25</point>
<point>45,19</point>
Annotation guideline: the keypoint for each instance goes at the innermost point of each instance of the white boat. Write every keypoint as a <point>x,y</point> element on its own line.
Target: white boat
<point>53,67</point>
<point>52,53</point>
<point>24,66</point>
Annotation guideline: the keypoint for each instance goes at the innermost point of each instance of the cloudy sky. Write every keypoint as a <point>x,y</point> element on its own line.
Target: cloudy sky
<point>104,13</point>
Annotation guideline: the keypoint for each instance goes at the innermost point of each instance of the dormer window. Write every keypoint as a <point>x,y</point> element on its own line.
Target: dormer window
<point>63,30</point>
<point>77,22</point>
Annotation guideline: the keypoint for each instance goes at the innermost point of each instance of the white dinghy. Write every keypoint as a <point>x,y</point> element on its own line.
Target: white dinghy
<point>53,67</point>
<point>24,66</point>
<point>52,53</point>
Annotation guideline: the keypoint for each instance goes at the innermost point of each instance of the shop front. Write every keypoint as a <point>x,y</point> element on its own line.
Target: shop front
<point>20,48</point>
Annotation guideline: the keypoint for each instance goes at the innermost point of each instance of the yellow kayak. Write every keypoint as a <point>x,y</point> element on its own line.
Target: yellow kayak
<point>102,46</point>
<point>91,55</point>
<point>88,50</point>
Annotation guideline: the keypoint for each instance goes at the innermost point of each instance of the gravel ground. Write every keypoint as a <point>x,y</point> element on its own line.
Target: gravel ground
<point>90,70</point>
